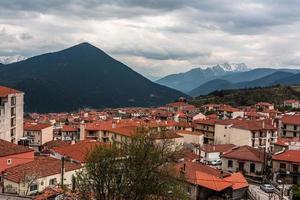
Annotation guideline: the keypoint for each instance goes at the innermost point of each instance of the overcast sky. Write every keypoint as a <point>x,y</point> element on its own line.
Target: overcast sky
<point>158,37</point>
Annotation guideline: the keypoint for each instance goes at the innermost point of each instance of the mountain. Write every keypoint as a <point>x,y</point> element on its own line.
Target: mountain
<point>81,76</point>
<point>292,80</point>
<point>234,67</point>
<point>221,84</point>
<point>11,59</point>
<point>247,97</point>
<point>189,80</point>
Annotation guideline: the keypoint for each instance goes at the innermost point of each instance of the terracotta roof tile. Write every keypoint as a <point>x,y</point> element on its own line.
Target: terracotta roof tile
<point>8,148</point>
<point>245,153</point>
<point>5,91</point>
<point>40,167</point>
<point>288,156</point>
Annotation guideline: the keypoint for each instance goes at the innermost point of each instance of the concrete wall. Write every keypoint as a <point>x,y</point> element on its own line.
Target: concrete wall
<point>6,116</point>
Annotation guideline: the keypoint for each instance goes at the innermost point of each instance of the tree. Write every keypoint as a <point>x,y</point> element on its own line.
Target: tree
<point>136,170</point>
<point>296,192</point>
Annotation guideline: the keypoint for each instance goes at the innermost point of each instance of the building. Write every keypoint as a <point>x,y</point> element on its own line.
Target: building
<point>204,182</point>
<point>228,112</point>
<point>286,143</point>
<point>33,177</point>
<point>260,106</point>
<point>70,133</point>
<point>245,159</point>
<point>11,114</point>
<point>76,152</point>
<point>292,103</point>
<point>289,126</point>
<point>286,166</point>
<point>254,133</point>
<point>191,137</point>
<point>210,152</point>
<point>38,134</point>
<point>206,126</point>
<point>12,155</point>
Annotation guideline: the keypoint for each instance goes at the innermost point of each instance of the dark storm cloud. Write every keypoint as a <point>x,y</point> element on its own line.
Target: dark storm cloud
<point>157,33</point>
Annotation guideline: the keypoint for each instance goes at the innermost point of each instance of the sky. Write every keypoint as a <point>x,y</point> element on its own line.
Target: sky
<point>158,37</point>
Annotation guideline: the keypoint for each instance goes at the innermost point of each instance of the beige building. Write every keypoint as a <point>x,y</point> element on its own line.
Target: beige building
<point>207,127</point>
<point>258,134</point>
<point>38,134</point>
<point>289,126</point>
<point>33,177</point>
<point>11,114</point>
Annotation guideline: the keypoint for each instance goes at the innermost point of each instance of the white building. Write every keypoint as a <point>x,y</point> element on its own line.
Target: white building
<point>11,114</point>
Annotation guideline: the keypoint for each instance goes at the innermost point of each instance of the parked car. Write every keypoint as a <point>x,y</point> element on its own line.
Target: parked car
<point>267,188</point>
<point>216,162</point>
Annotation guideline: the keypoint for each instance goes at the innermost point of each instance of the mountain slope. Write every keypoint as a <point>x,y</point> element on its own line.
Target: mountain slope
<point>247,97</point>
<point>188,80</point>
<point>220,84</point>
<point>81,76</point>
<point>292,80</point>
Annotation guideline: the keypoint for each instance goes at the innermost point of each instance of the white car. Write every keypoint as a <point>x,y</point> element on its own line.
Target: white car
<point>216,162</point>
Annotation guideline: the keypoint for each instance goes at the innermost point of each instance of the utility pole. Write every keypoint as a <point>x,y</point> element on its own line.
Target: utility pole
<point>62,170</point>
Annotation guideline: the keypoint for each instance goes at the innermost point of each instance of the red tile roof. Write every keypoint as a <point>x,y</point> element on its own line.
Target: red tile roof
<point>36,127</point>
<point>69,128</point>
<point>288,156</point>
<point>78,151</point>
<point>245,153</point>
<point>40,167</point>
<point>204,176</point>
<point>217,147</point>
<point>8,148</point>
<point>291,119</point>
<point>285,141</point>
<point>185,132</point>
<point>5,91</point>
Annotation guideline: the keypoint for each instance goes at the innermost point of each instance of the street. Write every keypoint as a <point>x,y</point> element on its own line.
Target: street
<point>261,195</point>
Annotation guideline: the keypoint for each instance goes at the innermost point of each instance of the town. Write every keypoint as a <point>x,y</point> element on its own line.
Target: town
<point>250,152</point>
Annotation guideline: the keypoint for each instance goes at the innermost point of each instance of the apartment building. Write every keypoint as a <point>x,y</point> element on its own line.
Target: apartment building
<point>289,126</point>
<point>207,127</point>
<point>11,114</point>
<point>254,133</point>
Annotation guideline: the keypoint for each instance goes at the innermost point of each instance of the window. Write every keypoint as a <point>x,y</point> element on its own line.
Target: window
<point>33,188</point>
<point>9,161</point>
<point>252,168</point>
<point>13,111</point>
<point>13,101</point>
<point>13,122</point>
<point>295,127</point>
<point>52,181</point>
<point>295,134</point>
<point>282,166</point>
<point>230,163</point>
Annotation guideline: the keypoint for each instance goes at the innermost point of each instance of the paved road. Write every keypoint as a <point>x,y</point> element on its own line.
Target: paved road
<point>261,195</point>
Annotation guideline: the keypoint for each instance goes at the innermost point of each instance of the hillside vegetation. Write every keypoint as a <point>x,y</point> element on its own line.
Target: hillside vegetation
<point>246,97</point>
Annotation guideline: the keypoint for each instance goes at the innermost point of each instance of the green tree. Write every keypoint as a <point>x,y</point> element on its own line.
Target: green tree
<point>296,192</point>
<point>136,170</point>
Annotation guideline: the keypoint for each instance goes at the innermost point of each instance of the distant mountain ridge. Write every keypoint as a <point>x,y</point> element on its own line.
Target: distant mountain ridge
<point>81,76</point>
<point>189,80</point>
<point>278,77</point>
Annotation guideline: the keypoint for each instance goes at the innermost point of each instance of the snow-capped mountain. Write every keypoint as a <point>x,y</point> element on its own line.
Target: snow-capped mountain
<point>234,67</point>
<point>11,59</point>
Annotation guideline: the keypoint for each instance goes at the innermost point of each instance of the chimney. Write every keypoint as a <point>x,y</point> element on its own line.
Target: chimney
<point>113,125</point>
<point>73,142</point>
<point>263,124</point>
<point>221,174</point>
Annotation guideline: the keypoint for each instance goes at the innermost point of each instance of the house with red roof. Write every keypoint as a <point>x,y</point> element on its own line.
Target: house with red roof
<point>293,103</point>
<point>34,176</point>
<point>260,106</point>
<point>70,133</point>
<point>289,126</point>
<point>286,166</point>
<point>11,114</point>
<point>12,155</point>
<point>37,134</point>
<point>245,159</point>
<point>204,182</point>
